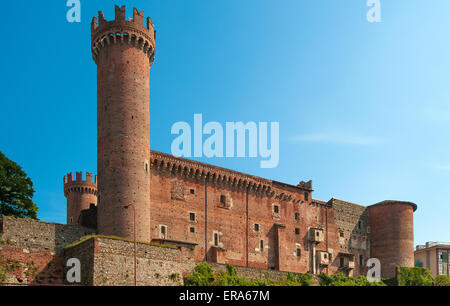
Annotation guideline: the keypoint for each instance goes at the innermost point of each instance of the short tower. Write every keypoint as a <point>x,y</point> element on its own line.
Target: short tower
<point>81,195</point>
<point>123,51</point>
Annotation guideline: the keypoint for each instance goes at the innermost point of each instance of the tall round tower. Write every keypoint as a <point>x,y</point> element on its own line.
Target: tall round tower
<point>81,194</point>
<point>123,51</point>
<point>392,235</point>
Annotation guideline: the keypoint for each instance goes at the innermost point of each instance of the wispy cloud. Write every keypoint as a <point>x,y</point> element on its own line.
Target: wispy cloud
<point>337,138</point>
<point>443,167</point>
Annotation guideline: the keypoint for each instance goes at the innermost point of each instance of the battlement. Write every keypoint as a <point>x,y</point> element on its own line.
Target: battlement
<point>120,30</point>
<point>89,185</point>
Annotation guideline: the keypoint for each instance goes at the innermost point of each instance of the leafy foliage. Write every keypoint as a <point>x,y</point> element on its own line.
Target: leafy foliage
<point>16,191</point>
<point>340,279</point>
<point>2,276</point>
<point>416,276</point>
<point>203,275</point>
<point>442,280</point>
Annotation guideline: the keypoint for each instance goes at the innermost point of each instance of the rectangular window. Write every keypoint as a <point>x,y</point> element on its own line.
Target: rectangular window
<point>216,239</point>
<point>192,191</point>
<point>297,231</point>
<point>299,252</point>
<point>359,224</point>
<point>256,227</point>
<point>192,229</point>
<point>275,209</point>
<point>192,216</point>
<point>361,260</point>
<point>261,245</point>
<point>341,261</point>
<point>163,231</point>
<point>222,199</point>
<point>297,216</point>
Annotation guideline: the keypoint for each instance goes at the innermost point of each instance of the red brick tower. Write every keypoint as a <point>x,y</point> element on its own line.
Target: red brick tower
<point>123,51</point>
<point>80,195</point>
<point>392,235</point>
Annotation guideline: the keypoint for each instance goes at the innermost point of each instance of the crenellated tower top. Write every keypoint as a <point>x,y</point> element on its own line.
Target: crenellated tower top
<point>120,30</point>
<point>79,185</point>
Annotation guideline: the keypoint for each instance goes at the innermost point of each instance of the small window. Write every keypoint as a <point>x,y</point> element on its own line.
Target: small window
<point>359,224</point>
<point>256,227</point>
<point>341,261</point>
<point>192,191</point>
<point>222,199</point>
<point>297,216</point>
<point>192,216</point>
<point>297,231</point>
<point>341,234</point>
<point>163,231</point>
<point>71,220</point>
<point>299,252</point>
<point>192,229</point>
<point>306,196</point>
<point>261,245</point>
<point>276,209</point>
<point>325,255</point>
<point>331,257</point>
<point>216,239</point>
<point>361,260</point>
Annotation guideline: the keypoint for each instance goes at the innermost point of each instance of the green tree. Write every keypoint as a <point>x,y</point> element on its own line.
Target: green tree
<point>16,191</point>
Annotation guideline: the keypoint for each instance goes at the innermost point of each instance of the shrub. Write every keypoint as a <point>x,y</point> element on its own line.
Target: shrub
<point>2,276</point>
<point>442,280</point>
<point>416,276</point>
<point>202,275</point>
<point>340,279</point>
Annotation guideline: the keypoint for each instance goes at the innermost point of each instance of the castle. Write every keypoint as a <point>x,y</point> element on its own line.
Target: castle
<point>203,212</point>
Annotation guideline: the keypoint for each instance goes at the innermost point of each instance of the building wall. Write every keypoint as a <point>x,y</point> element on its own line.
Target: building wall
<point>352,236</point>
<point>428,258</point>
<point>180,187</point>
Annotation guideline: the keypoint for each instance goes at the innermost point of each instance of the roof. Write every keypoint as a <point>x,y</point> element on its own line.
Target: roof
<point>215,169</point>
<point>388,202</point>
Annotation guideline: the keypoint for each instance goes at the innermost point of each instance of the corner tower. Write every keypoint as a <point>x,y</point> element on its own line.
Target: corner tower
<point>392,235</point>
<point>80,194</point>
<point>123,51</point>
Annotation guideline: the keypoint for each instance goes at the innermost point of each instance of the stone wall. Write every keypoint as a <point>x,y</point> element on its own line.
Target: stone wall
<point>353,233</point>
<point>108,262</point>
<point>251,273</point>
<point>31,250</point>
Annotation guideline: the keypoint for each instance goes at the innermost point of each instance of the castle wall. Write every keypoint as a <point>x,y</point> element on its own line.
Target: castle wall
<point>244,218</point>
<point>110,262</point>
<point>352,234</point>
<point>31,251</point>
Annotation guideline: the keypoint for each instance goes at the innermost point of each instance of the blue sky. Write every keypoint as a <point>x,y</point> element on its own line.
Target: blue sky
<point>363,107</point>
